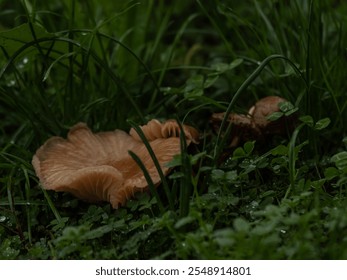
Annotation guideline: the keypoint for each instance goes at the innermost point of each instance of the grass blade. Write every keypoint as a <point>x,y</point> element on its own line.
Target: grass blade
<point>186,183</point>
<point>156,164</point>
<point>149,180</point>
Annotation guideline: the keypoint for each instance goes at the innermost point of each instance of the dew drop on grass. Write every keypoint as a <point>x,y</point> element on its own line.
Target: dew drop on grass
<point>11,83</point>
<point>24,61</point>
<point>254,205</point>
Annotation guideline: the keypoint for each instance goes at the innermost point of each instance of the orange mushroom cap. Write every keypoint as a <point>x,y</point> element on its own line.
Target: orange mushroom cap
<point>98,167</point>
<point>170,128</point>
<point>264,108</point>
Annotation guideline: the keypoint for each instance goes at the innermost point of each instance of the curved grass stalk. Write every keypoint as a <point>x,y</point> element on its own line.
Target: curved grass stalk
<point>221,140</point>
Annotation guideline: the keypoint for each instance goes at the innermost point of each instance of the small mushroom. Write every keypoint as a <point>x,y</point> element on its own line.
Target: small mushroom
<point>256,125</point>
<point>97,166</point>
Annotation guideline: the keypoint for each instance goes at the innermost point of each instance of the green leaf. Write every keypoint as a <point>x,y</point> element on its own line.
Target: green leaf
<point>176,175</point>
<point>176,161</point>
<point>239,152</point>
<point>220,67</point>
<point>280,150</point>
<point>98,232</point>
<point>340,160</point>
<point>231,176</point>
<point>217,174</point>
<point>262,162</point>
<point>8,250</point>
<point>308,120</point>
<point>321,124</point>
<point>58,224</point>
<point>285,106</point>
<point>224,237</point>
<point>195,158</point>
<point>235,63</point>
<point>223,67</point>
<point>194,82</point>
<point>275,116</point>
<point>210,81</point>
<point>241,225</point>
<point>331,173</point>
<point>184,221</point>
<point>318,183</point>
<point>248,147</point>
<point>290,112</point>
<point>197,92</point>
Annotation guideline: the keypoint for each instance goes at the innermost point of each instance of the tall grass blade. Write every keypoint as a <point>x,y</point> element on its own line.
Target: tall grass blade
<point>52,207</point>
<point>156,164</point>
<point>149,180</point>
<point>292,159</point>
<point>28,205</point>
<point>186,183</point>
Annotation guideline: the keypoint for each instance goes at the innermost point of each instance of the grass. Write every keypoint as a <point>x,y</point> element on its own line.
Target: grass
<point>116,65</point>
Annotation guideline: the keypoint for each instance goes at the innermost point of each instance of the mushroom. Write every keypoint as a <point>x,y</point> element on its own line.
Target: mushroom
<point>256,125</point>
<point>264,108</point>
<point>97,166</point>
<point>154,130</point>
